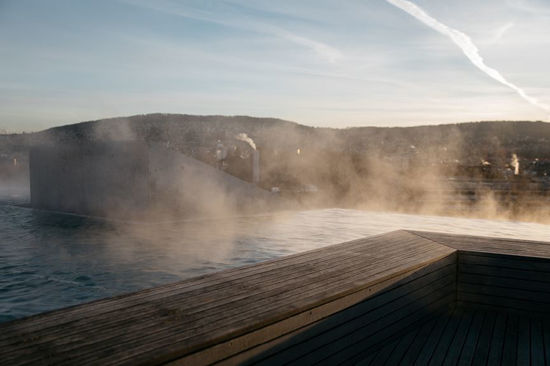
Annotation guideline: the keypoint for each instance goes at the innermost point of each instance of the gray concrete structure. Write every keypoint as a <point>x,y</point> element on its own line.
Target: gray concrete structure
<point>91,178</point>
<point>185,185</point>
<point>131,179</point>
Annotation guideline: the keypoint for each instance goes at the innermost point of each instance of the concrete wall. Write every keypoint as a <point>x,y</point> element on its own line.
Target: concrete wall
<point>130,179</point>
<point>188,186</point>
<point>90,179</point>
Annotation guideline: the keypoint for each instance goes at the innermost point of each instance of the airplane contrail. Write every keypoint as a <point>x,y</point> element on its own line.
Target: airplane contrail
<point>463,41</point>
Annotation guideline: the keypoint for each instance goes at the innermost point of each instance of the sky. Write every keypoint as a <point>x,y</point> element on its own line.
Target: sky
<point>320,63</point>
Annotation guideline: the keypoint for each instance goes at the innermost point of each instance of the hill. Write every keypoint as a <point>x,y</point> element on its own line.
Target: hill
<point>471,141</point>
<point>417,169</point>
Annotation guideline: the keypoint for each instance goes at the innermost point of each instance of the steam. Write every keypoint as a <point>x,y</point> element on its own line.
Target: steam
<point>465,43</point>
<point>515,164</point>
<point>244,137</point>
<point>438,175</point>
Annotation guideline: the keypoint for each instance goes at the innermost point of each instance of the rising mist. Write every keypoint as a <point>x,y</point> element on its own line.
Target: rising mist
<point>463,169</point>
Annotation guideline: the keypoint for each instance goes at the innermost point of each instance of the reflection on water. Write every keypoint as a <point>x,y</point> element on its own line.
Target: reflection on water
<point>50,261</point>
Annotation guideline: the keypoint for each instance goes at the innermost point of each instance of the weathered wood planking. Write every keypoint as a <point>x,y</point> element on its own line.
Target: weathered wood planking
<point>468,336</point>
<point>351,331</point>
<point>511,282</point>
<point>352,302</point>
<point>503,273</point>
<point>513,247</point>
<point>210,318</point>
<point>202,284</point>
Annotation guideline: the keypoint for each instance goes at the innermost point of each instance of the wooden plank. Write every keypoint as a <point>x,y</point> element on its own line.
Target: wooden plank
<point>467,255</point>
<point>213,281</point>
<point>457,239</point>
<point>402,340</point>
<point>262,342</point>
<point>498,281</point>
<point>505,261</point>
<point>453,353</point>
<point>546,339</point>
<point>490,245</point>
<point>433,340</point>
<point>524,342</point>
<point>435,310</point>
<point>238,306</point>
<point>383,335</point>
<point>505,292</point>
<point>159,343</point>
<point>367,324</point>
<point>367,361</point>
<point>425,277</point>
<point>203,287</point>
<point>504,303</point>
<point>384,353</point>
<point>440,352</point>
<point>141,307</point>
<point>481,353</point>
<point>515,333</point>
<point>537,343</point>
<point>332,278</point>
<point>403,346</point>
<point>420,340</point>
<point>236,286</point>
<point>511,249</point>
<point>379,328</point>
<point>517,252</point>
<point>499,308</point>
<point>509,354</point>
<point>497,341</point>
<point>361,341</point>
<point>471,342</point>
<point>540,278</point>
<point>96,345</point>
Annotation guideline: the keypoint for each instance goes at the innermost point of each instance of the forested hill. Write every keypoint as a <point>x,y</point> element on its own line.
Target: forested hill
<point>466,141</point>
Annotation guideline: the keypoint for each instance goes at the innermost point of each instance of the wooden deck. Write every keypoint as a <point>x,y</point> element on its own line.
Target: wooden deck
<point>468,336</point>
<point>501,273</point>
<point>342,303</point>
<point>479,244</point>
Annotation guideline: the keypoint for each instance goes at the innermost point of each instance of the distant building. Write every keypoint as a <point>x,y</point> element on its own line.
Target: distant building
<point>90,178</point>
<point>128,179</point>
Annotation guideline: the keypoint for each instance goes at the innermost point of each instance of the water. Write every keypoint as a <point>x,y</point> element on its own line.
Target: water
<point>49,261</point>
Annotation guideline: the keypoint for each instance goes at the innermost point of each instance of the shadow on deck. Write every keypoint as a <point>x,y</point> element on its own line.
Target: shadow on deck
<point>470,308</point>
<point>468,336</point>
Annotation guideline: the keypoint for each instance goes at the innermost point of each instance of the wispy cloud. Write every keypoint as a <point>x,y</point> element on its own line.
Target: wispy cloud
<point>466,45</point>
<point>532,7</point>
<point>323,50</point>
<point>501,31</point>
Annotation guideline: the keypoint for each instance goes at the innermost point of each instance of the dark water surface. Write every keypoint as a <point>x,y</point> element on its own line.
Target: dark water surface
<point>49,261</point>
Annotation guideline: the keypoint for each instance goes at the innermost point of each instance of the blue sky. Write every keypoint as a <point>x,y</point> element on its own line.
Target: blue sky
<point>321,63</point>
